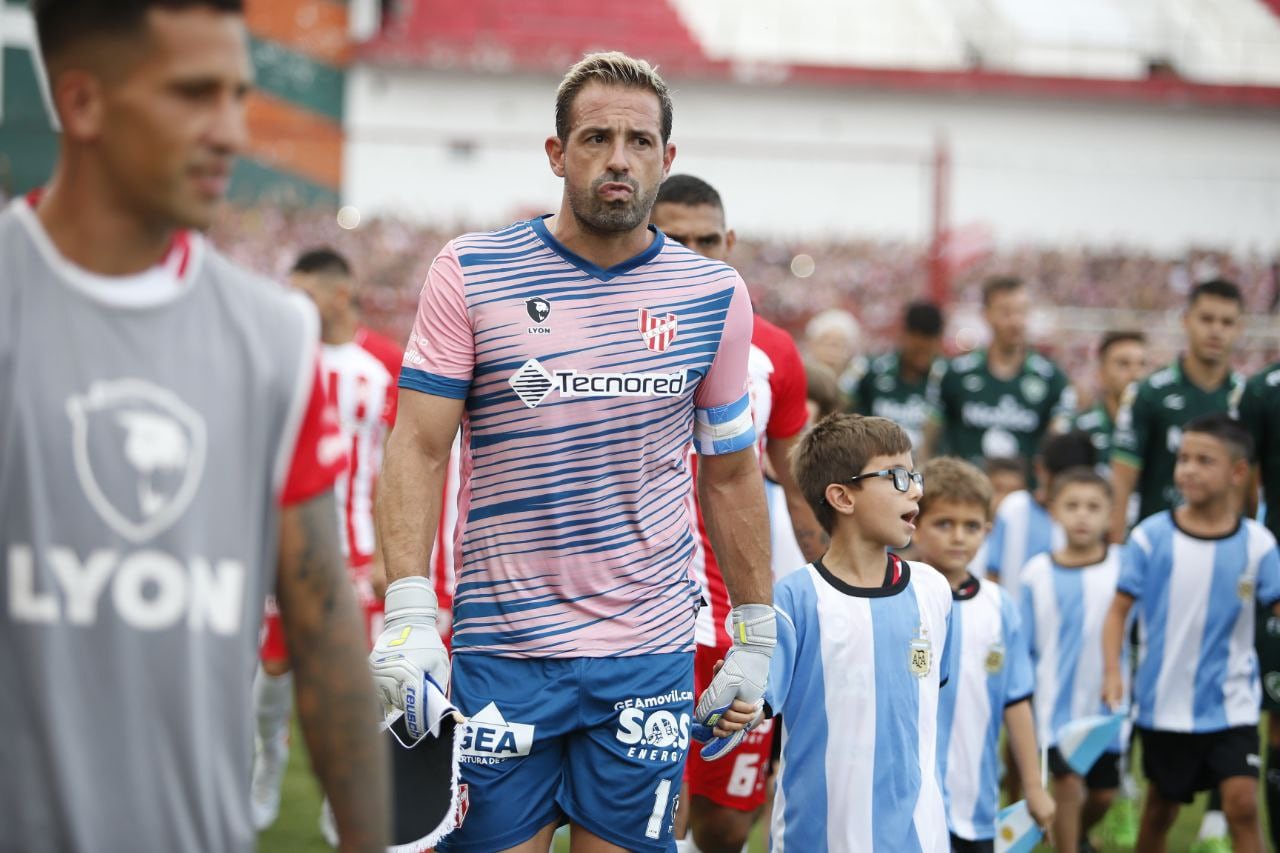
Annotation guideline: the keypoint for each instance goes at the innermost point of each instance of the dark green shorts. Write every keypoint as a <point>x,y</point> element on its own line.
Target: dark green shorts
<point>1268,644</point>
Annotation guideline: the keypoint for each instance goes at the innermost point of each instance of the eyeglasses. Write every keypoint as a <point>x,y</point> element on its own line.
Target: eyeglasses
<point>902,478</point>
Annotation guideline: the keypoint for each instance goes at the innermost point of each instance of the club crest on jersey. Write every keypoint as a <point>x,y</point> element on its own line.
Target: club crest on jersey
<point>139,454</point>
<point>657,331</point>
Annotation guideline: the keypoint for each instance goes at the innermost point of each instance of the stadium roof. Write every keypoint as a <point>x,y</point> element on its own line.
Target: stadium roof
<point>1205,52</point>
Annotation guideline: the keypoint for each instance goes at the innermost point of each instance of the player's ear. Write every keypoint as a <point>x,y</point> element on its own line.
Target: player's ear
<point>78,98</point>
<point>555,155</point>
<point>668,157</point>
<point>730,240</point>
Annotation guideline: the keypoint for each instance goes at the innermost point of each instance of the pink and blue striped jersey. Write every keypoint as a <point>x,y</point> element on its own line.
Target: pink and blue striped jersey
<point>584,388</point>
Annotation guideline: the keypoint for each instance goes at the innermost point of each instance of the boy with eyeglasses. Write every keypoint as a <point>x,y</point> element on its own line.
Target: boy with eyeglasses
<point>861,655</point>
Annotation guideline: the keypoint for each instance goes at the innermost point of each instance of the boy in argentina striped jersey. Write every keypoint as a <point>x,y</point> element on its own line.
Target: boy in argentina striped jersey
<point>1065,597</point>
<point>1194,573</point>
<point>863,641</point>
<point>990,669</point>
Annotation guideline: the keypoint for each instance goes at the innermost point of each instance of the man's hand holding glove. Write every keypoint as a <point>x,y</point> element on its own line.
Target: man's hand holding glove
<point>409,649</point>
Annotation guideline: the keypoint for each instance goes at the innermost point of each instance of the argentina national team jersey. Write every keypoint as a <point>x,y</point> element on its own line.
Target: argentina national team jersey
<point>855,676</point>
<point>1023,528</point>
<point>583,388</point>
<point>1063,611</point>
<point>1197,669</point>
<point>990,671</point>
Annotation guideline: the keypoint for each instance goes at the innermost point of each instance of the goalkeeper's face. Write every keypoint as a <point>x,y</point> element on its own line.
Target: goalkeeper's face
<point>613,157</point>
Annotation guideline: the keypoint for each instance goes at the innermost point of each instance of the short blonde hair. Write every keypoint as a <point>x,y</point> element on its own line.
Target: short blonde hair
<point>611,69</point>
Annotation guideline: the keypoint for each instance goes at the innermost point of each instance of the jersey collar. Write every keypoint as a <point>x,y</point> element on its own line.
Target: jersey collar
<point>897,575</point>
<point>539,227</point>
<point>1025,369</point>
<point>161,284</point>
<point>967,589</point>
<point>1173,518</point>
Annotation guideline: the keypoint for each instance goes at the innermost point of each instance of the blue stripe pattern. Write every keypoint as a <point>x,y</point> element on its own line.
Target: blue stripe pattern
<point>1208,706</point>
<point>896,776</point>
<point>796,677</point>
<point>577,538</point>
<point>1068,589</point>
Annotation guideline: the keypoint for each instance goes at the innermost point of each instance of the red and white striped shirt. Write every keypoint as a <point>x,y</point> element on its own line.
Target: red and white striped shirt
<point>778,394</point>
<point>364,393</point>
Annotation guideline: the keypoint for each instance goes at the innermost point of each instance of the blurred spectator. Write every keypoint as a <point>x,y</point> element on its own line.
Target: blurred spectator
<point>834,337</point>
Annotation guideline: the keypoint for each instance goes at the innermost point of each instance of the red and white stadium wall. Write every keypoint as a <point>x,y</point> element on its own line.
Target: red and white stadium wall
<point>300,50</point>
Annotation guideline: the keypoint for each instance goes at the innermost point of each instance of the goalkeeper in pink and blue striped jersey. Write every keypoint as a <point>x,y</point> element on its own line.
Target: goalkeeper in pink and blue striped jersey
<point>582,354</point>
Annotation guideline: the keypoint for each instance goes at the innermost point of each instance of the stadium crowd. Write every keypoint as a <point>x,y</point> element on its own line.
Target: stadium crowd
<point>872,280</point>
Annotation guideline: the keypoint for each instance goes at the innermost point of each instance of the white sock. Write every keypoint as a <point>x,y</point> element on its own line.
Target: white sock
<point>272,700</point>
<point>1214,825</point>
<point>686,845</point>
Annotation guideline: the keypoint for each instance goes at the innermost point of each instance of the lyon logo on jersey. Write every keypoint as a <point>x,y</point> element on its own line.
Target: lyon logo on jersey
<point>139,454</point>
<point>658,332</point>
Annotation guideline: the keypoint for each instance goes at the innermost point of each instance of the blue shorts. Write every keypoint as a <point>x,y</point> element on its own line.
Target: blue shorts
<point>601,741</point>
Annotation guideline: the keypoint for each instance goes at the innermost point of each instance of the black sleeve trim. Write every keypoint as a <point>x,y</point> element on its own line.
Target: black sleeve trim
<point>1019,700</point>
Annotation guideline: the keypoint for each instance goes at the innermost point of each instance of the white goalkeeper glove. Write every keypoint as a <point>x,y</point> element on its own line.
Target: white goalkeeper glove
<point>409,649</point>
<point>742,676</point>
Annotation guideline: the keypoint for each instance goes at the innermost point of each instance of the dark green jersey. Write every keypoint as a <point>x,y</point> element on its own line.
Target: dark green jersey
<point>883,391</point>
<point>983,416</point>
<point>1260,412</point>
<point>1098,425</point>
<point>1149,428</point>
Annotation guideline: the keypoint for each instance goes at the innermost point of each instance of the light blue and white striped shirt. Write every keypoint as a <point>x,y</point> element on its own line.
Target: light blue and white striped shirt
<point>855,676</point>
<point>1022,529</point>
<point>990,671</point>
<point>1197,668</point>
<point>1063,611</point>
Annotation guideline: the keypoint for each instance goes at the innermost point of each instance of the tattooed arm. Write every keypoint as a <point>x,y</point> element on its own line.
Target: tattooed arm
<point>323,629</point>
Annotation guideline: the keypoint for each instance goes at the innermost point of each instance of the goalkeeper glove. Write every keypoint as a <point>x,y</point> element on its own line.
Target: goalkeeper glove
<point>742,676</point>
<point>408,650</point>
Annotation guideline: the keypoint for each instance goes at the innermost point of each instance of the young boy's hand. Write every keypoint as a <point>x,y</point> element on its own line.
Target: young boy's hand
<point>1042,808</point>
<point>732,724</point>
<point>1113,690</point>
<point>741,715</point>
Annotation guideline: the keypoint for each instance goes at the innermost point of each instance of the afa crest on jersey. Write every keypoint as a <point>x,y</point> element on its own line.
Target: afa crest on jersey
<point>920,654</point>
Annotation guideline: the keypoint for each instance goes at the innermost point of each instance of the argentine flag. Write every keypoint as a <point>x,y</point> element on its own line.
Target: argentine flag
<point>1016,831</point>
<point>1082,742</point>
